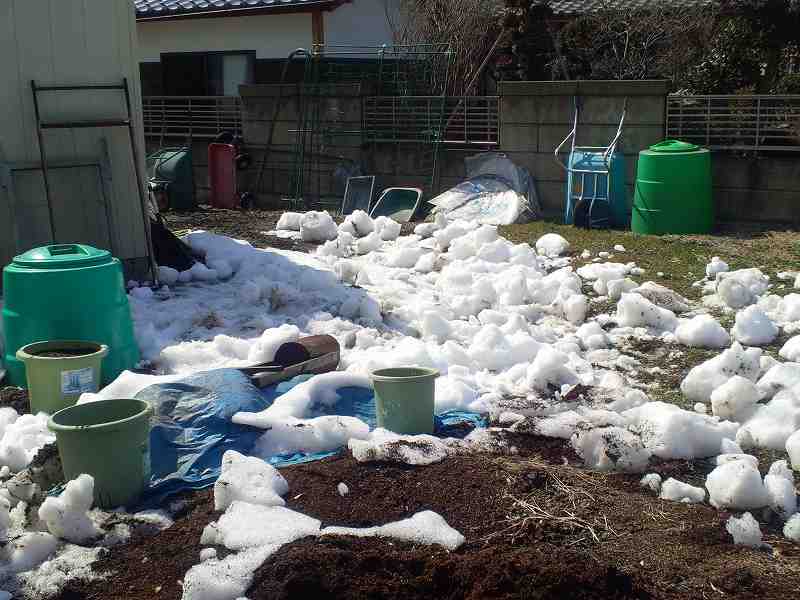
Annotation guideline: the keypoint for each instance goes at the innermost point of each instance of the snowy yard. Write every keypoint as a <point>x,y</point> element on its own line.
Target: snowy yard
<point>642,395</point>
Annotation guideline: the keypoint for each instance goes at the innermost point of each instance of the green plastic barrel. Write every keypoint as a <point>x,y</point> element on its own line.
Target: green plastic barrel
<point>109,440</point>
<point>673,190</point>
<point>174,166</point>
<point>404,399</point>
<point>67,292</point>
<point>59,371</point>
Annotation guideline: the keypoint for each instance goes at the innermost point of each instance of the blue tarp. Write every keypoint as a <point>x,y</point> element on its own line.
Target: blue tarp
<point>192,427</point>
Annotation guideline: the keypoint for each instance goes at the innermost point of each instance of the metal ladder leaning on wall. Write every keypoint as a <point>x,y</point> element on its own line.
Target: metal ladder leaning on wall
<point>127,122</point>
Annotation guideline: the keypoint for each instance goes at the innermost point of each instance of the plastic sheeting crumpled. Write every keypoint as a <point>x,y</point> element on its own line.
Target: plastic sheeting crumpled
<point>496,192</point>
<point>192,427</point>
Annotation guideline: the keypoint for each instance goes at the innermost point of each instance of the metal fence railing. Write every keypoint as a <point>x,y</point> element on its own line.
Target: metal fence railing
<point>733,122</point>
<point>191,116</point>
<point>466,120</point>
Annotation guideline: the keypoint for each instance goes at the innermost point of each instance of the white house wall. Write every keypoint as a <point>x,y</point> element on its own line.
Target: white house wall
<point>76,42</point>
<point>271,36</point>
<point>360,23</point>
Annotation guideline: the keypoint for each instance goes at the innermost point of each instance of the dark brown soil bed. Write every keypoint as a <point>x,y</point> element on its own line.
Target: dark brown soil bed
<point>67,353</point>
<point>250,225</point>
<point>16,398</point>
<point>534,526</point>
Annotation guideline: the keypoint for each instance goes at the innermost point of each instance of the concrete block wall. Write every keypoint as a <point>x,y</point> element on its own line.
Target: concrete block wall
<point>535,116</point>
<point>392,164</point>
<point>757,188</point>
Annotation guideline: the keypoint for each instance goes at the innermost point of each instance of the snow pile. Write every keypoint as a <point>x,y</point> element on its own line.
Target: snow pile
<point>716,265</point>
<point>652,481</point>
<point>678,491</point>
<point>793,449</point>
<point>792,527</point>
<point>289,422</point>
<point>290,221</point>
<point>745,530</point>
<point>634,310</point>
<point>383,445</point>
<point>736,485</point>
<point>247,525</point>
<point>779,376</point>
<point>791,349</point>
<point>671,432</point>
<point>741,288</point>
<point>772,423</point>
<point>662,296</point>
<point>702,331</point>
<point>616,287</point>
<point>248,479</point>
<point>426,527</point>
<point>387,228</point>
<point>602,274</point>
<point>21,437</point>
<point>318,227</point>
<point>703,379</point>
<point>66,515</point>
<point>551,245</point>
<point>611,448</point>
<point>227,578</point>
<point>779,483</point>
<point>753,327</point>
<point>358,224</point>
<point>735,400</point>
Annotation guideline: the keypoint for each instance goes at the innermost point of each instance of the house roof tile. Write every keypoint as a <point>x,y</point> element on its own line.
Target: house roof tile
<point>152,9</point>
<point>577,7</point>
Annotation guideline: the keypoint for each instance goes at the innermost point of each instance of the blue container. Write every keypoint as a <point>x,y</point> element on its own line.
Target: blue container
<point>583,159</point>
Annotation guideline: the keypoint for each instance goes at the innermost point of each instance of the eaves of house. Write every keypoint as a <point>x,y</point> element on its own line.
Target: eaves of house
<point>159,10</point>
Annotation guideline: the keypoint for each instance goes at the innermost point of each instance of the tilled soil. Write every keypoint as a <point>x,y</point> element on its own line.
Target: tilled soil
<point>250,225</point>
<point>535,527</point>
<point>16,398</point>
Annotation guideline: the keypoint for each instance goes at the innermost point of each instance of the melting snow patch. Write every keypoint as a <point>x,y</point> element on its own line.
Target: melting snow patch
<point>552,244</point>
<point>66,515</point>
<point>671,432</point>
<point>735,400</point>
<point>634,310</point>
<point>652,481</point>
<point>753,327</point>
<point>779,483</point>
<point>745,530</point>
<point>736,485</point>
<point>793,449</point>
<point>792,528</point>
<point>248,479</point>
<point>426,527</point>
<point>702,331</point>
<point>703,379</point>
<point>251,525</point>
<point>383,445</point>
<point>678,491</point>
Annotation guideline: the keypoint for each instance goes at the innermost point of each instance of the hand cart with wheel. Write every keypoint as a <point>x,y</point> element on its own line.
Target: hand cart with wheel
<point>595,191</point>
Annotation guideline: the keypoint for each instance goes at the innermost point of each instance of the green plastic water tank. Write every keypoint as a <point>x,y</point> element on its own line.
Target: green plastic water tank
<point>67,292</point>
<point>673,190</point>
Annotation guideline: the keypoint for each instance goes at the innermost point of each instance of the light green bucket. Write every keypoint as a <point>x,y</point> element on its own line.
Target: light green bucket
<point>109,440</point>
<point>404,399</point>
<point>57,382</point>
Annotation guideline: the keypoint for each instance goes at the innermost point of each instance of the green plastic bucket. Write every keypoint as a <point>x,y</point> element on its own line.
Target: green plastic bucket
<point>109,440</point>
<point>59,371</point>
<point>404,399</point>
